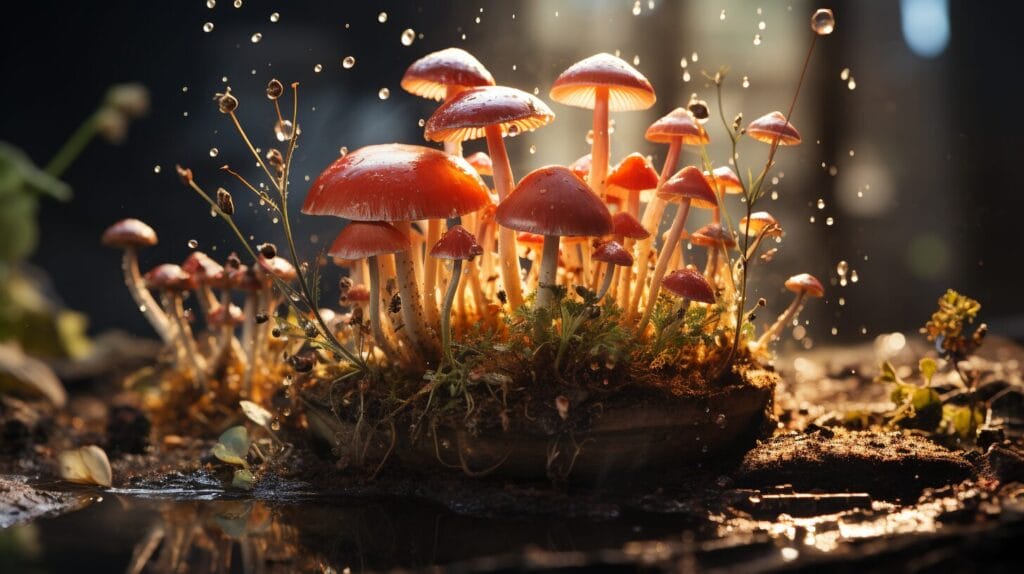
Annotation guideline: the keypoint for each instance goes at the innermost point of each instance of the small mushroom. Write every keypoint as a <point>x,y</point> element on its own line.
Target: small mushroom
<point>803,285</point>
<point>172,281</point>
<point>457,245</point>
<point>202,268</point>
<point>129,235</point>
<point>717,241</point>
<point>723,180</point>
<point>612,254</point>
<point>760,224</point>
<point>690,285</point>
<point>773,128</point>
<point>627,230</point>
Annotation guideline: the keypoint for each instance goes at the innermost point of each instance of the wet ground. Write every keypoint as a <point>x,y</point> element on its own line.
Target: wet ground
<point>812,497</point>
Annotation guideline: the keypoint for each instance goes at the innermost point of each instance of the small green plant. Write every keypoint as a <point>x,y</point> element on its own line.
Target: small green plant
<point>233,448</point>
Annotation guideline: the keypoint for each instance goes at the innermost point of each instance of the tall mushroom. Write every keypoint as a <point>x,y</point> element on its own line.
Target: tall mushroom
<point>456,245</point>
<point>441,76</point>
<point>399,183</point>
<point>129,235</point>
<point>171,280</point>
<point>553,202</point>
<point>803,285</point>
<point>686,187</point>
<point>602,83</point>
<point>493,112</point>
<point>369,239</point>
<point>677,128</point>
<point>613,255</point>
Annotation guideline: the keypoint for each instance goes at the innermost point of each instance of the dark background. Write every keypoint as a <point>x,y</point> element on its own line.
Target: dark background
<point>935,138</point>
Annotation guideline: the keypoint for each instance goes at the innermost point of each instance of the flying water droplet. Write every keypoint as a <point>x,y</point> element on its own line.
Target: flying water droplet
<point>408,36</point>
<point>192,244</point>
<point>343,151</point>
<point>757,39</point>
<point>746,82</point>
<point>854,277</point>
<point>275,17</point>
<point>348,62</point>
<point>156,169</point>
<point>686,76</point>
<point>821,204</point>
<point>384,93</point>
<point>211,4</point>
<point>684,62</point>
<point>852,84</point>
<point>214,152</point>
<point>637,8</point>
<point>829,221</point>
<point>722,15</point>
<point>382,17</point>
<point>844,74</point>
<point>823,22</point>
<point>238,3</point>
<point>842,267</point>
<point>255,38</point>
<point>761,25</point>
<point>208,27</point>
<point>317,69</point>
<point>283,130</point>
<point>636,60</point>
<point>533,149</point>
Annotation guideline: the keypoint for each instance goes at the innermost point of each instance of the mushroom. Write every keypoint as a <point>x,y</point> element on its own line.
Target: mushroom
<point>633,174</point>
<point>581,167</point>
<point>171,280</point>
<point>552,201</point>
<point>677,128</point>
<point>246,280</point>
<point>129,235</point>
<point>612,254</point>
<point>717,241</point>
<point>224,318</point>
<point>774,129</point>
<point>369,239</point>
<point>441,76</point>
<point>457,245</point>
<point>602,82</point>
<point>627,229</point>
<point>481,162</point>
<point>803,285</point>
<point>203,268</point>
<point>686,187</point>
<point>399,183</point>
<point>761,224</point>
<point>493,112</point>
<point>690,285</point>
<point>267,269</point>
<point>723,180</point>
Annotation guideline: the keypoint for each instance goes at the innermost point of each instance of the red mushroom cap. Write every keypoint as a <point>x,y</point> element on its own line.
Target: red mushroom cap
<point>612,253</point>
<point>625,225</point>
<point>689,284</point>
<point>466,116</point>
<point>246,279</point>
<point>277,266</point>
<point>170,277</point>
<point>712,235</point>
<point>396,182</point>
<point>432,75</point>
<point>628,89</point>
<point>456,243</point>
<point>634,173</point>
<point>481,162</point>
<point>581,167</point>
<point>220,316</point>
<point>724,180</point>
<point>202,267</point>
<point>554,201</point>
<point>679,123</point>
<point>689,183</point>
<point>361,239</point>
<point>771,126</point>
<point>807,283</point>
<point>129,233</point>
<point>358,293</point>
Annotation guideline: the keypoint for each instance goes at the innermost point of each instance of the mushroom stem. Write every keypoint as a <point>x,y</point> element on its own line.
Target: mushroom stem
<point>379,337</point>
<point>780,323</point>
<point>143,299</point>
<point>430,267</point>
<point>249,339</point>
<point>412,309</point>
<point>626,276</point>
<point>546,281</point>
<point>609,273</point>
<point>666,254</point>
<point>446,310</point>
<point>599,146</point>
<point>196,362</point>
<point>503,184</point>
<point>651,222</point>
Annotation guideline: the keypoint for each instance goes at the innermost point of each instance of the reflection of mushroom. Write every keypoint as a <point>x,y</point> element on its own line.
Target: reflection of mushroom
<point>365,239</point>
<point>803,285</point>
<point>677,128</point>
<point>399,183</point>
<point>129,235</point>
<point>773,128</point>
<point>611,253</point>
<point>493,112</point>
<point>602,82</point>
<point>458,245</point>
<point>553,202</point>
<point>171,280</point>
<point>686,187</point>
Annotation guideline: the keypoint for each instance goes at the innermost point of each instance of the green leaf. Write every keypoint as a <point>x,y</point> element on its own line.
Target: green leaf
<point>243,479</point>
<point>959,420</point>
<point>888,374</point>
<point>233,446</point>
<point>928,368</point>
<point>257,414</point>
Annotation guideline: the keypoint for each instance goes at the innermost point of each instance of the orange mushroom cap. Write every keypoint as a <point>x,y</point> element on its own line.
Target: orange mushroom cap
<point>679,123</point>
<point>432,75</point>
<point>712,235</point>
<point>628,89</point>
<point>396,182</point>
<point>634,173</point>
<point>689,183</point>
<point>771,126</point>
<point>612,253</point>
<point>170,277</point>
<point>760,220</point>
<point>625,225</point>
<point>481,162</point>
<point>358,293</point>
<point>466,116</point>
<point>129,233</point>
<point>554,201</point>
<point>805,283</point>
<point>724,179</point>
<point>456,243</point>
<point>361,239</point>
<point>689,284</point>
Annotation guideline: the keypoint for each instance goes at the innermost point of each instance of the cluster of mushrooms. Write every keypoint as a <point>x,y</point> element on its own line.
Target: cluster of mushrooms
<point>432,251</point>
